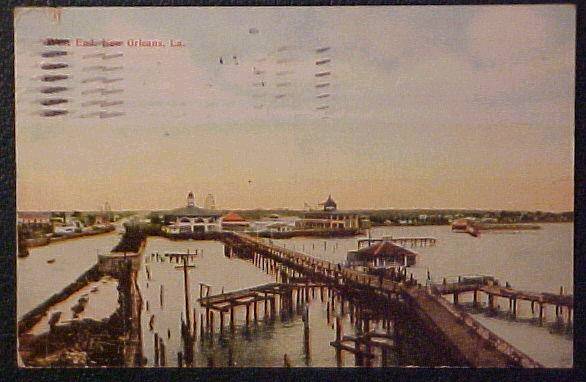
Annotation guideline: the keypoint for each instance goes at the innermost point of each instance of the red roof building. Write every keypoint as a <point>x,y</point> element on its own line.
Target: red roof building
<point>232,221</point>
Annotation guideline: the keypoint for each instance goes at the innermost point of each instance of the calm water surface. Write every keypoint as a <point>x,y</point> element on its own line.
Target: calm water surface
<point>265,342</point>
<point>37,280</point>
<point>539,260</point>
<point>536,260</point>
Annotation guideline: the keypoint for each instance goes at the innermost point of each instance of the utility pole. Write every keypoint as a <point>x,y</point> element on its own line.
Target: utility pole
<point>185,259</point>
<point>189,336</point>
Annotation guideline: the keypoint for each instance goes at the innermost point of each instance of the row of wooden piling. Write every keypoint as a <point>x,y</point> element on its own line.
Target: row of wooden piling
<point>513,307</point>
<point>304,295</point>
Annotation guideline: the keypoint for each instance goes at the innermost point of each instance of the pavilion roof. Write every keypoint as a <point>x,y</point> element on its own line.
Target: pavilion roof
<point>384,248</point>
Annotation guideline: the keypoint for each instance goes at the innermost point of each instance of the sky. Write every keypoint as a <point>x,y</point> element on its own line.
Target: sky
<point>427,107</point>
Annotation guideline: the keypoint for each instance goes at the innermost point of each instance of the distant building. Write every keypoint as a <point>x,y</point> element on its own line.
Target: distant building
<point>190,219</point>
<point>72,227</point>
<point>34,218</point>
<point>209,202</point>
<point>234,222</point>
<point>280,227</point>
<point>274,223</point>
<point>330,218</point>
<point>190,200</point>
<point>102,218</point>
<point>329,204</point>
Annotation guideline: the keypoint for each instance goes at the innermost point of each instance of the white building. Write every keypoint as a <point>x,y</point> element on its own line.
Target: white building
<point>190,219</point>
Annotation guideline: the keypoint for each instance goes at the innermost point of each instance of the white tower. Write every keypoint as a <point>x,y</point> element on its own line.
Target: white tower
<point>210,202</point>
<point>190,199</point>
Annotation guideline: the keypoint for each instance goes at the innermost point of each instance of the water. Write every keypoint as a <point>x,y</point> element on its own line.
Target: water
<point>102,303</point>
<point>539,260</point>
<point>265,342</point>
<point>37,280</point>
<point>534,260</point>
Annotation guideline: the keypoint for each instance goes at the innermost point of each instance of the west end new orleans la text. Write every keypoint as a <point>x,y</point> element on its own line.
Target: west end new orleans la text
<point>138,43</point>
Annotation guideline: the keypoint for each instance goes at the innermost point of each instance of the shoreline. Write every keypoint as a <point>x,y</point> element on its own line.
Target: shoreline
<point>42,242</point>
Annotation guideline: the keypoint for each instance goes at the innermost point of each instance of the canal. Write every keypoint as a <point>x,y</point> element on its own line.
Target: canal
<point>37,279</point>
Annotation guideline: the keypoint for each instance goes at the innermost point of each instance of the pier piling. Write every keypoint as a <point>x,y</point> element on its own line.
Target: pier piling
<point>156,342</point>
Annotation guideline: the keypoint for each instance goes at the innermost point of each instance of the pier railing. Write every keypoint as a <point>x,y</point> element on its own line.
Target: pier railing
<point>499,343</point>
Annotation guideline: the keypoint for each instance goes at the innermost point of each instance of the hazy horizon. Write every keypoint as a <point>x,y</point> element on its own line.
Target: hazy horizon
<point>451,107</point>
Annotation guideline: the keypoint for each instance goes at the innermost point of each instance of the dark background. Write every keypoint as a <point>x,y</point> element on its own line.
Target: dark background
<point>8,369</point>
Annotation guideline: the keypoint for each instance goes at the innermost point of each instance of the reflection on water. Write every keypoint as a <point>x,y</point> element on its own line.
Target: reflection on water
<point>38,280</point>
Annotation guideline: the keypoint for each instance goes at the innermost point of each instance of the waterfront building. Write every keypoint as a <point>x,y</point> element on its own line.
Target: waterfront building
<point>274,223</point>
<point>73,226</point>
<point>331,218</point>
<point>102,218</point>
<point>384,254</point>
<point>280,227</point>
<point>234,222</point>
<point>190,219</point>
<point>34,218</point>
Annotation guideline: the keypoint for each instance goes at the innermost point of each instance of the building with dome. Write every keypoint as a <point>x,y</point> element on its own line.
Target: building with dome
<point>190,219</point>
<point>330,218</point>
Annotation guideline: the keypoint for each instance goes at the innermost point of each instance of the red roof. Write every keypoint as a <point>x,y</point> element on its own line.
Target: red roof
<point>383,249</point>
<point>233,217</point>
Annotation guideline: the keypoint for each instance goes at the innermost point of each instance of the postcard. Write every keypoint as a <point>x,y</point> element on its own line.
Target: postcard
<point>369,186</point>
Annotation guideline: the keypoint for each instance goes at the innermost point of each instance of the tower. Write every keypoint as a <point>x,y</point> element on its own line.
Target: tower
<point>190,199</point>
<point>209,202</point>
<point>330,205</point>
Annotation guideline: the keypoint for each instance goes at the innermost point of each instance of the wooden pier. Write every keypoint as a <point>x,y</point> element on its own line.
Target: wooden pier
<point>267,295</point>
<point>465,339</point>
<point>490,287</point>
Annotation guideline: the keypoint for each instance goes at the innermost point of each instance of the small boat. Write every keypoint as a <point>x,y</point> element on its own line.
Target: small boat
<point>94,289</point>
<point>50,261</point>
<point>54,318</point>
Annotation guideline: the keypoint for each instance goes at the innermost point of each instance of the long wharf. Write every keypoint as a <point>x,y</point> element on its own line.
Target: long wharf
<point>466,340</point>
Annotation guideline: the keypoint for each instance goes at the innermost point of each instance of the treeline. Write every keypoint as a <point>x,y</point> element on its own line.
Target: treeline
<point>429,216</point>
<point>132,239</point>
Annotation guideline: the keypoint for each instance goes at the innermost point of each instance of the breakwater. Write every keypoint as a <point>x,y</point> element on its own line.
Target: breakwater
<point>113,341</point>
<point>35,315</point>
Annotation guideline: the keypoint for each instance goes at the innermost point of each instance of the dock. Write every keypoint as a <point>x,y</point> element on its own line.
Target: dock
<point>464,338</point>
<point>250,298</point>
<point>490,287</point>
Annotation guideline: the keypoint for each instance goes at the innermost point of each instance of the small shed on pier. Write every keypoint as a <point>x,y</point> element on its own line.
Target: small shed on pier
<point>382,252</point>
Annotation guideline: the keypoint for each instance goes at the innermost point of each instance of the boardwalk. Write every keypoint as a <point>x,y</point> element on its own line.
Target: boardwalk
<point>473,344</point>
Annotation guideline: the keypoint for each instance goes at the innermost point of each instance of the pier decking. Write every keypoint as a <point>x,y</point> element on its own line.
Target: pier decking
<point>490,287</point>
<point>473,344</point>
